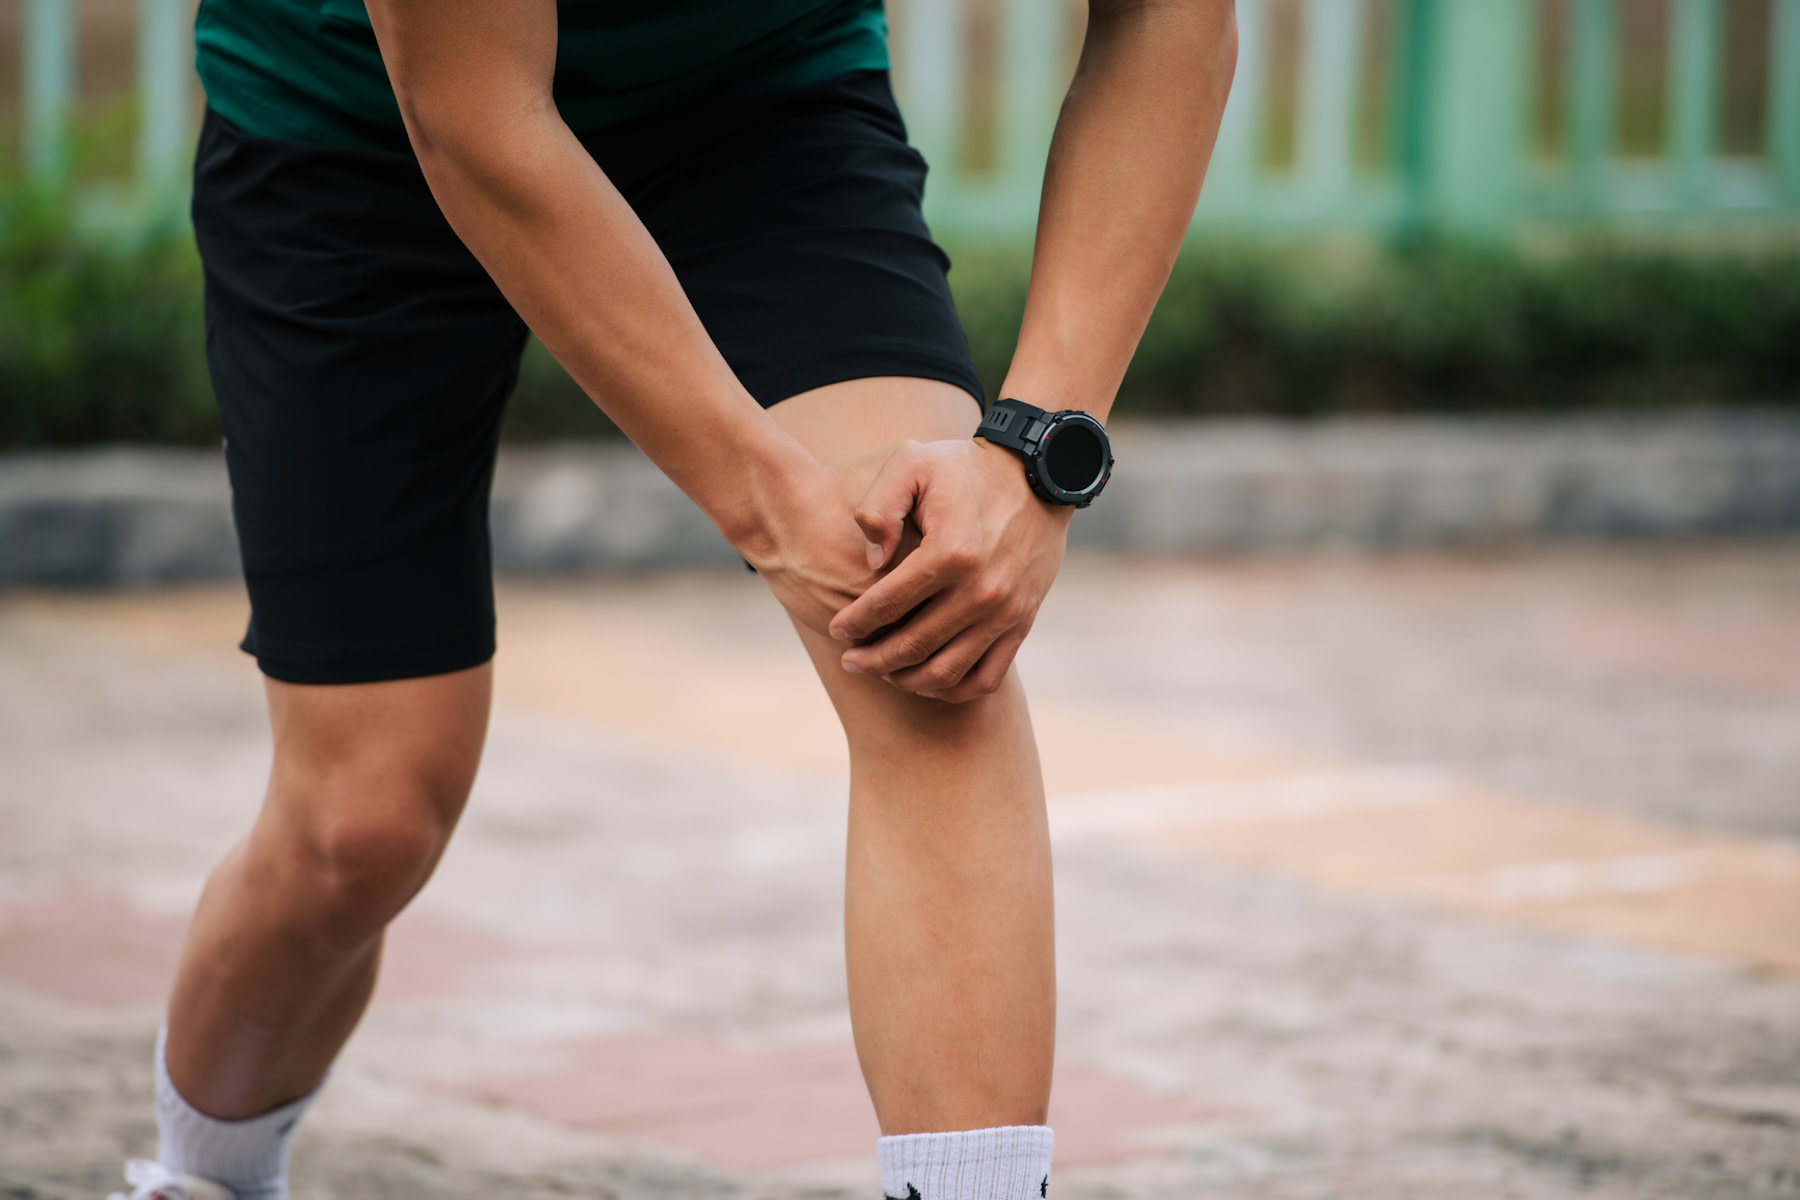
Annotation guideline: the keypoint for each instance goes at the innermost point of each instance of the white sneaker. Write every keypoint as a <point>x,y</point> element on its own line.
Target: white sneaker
<point>153,1181</point>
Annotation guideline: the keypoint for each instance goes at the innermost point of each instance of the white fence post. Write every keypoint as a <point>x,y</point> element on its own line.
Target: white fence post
<point>49,88</point>
<point>1332,37</point>
<point>931,83</point>
<point>1032,81</point>
<point>1784,99</point>
<point>1592,87</point>
<point>1694,41</point>
<point>163,111</point>
<point>1231,174</point>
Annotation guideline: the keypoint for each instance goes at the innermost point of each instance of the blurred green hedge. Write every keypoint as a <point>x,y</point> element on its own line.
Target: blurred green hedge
<point>102,340</point>
<point>1305,330</point>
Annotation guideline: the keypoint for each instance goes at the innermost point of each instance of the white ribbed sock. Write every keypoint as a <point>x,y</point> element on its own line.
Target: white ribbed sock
<point>1011,1162</point>
<point>250,1157</point>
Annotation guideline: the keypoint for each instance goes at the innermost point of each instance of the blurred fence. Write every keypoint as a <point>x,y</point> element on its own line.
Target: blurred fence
<point>1473,116</point>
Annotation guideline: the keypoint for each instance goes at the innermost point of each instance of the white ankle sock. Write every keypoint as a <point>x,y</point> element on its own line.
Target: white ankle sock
<point>249,1157</point>
<point>1011,1162</point>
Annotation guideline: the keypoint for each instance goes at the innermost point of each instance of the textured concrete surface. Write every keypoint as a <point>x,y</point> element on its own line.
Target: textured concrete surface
<point>1377,878</point>
<point>131,517</point>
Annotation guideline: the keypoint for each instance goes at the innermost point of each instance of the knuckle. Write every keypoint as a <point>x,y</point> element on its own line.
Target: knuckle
<point>937,678</point>
<point>961,558</point>
<point>887,610</point>
<point>992,593</point>
<point>909,649</point>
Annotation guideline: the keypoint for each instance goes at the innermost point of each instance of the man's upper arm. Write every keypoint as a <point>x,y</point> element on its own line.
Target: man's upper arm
<point>466,69</point>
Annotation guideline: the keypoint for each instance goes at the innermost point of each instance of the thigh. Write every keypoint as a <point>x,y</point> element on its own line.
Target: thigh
<point>793,223</point>
<point>867,418</point>
<point>894,734</point>
<point>398,757</point>
<point>362,360</point>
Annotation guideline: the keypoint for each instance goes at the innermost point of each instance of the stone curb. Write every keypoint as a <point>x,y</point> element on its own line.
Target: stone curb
<point>124,516</point>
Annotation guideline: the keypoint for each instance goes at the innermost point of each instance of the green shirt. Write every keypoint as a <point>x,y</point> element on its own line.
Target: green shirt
<point>310,71</point>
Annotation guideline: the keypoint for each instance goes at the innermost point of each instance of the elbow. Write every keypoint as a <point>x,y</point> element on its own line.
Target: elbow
<point>1215,23</point>
<point>1201,14</point>
<point>432,124</point>
<point>1225,46</point>
<point>1212,30</point>
<point>480,140</point>
<point>1207,29</point>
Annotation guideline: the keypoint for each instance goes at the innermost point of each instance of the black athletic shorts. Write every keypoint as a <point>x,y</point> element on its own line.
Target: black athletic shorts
<point>362,357</point>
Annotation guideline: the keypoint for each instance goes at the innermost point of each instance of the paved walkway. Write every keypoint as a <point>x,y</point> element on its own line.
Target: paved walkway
<point>1396,878</point>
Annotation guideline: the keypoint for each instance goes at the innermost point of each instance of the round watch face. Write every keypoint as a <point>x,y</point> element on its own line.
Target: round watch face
<point>1072,458</point>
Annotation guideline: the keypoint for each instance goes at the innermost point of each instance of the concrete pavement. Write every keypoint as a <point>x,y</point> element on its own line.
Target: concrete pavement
<point>1377,878</point>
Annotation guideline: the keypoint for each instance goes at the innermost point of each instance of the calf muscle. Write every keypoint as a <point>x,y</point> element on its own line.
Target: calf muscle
<point>281,959</point>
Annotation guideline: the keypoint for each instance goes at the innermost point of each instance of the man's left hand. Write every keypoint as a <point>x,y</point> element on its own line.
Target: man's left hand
<point>947,620</point>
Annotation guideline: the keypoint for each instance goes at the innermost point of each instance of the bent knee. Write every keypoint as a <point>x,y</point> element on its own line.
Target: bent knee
<point>354,846</point>
<point>377,859</point>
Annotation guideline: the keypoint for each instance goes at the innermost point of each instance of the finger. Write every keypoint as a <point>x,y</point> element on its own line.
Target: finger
<point>907,644</point>
<point>887,601</point>
<point>946,669</point>
<point>883,510</point>
<point>937,563</point>
<point>988,675</point>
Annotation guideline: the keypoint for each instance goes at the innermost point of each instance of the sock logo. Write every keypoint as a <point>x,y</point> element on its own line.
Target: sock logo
<point>1044,1187</point>
<point>912,1193</point>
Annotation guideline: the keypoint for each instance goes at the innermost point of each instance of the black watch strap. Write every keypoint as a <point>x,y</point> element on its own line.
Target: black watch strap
<point>1014,424</point>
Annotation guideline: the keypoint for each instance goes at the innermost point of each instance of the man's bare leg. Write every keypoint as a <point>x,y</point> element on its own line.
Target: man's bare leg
<point>367,785</point>
<point>948,915</point>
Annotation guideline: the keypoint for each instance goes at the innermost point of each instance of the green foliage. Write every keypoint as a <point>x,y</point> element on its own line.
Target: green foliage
<point>1299,330</point>
<point>99,341</point>
<point>102,340</point>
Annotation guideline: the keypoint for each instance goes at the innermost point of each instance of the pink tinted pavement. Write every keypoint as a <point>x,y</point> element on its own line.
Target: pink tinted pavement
<point>684,1091</point>
<point>89,947</point>
<point>753,1110</point>
<point>1376,878</point>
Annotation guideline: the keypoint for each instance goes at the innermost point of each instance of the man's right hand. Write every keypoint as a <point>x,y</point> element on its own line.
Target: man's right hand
<point>807,546</point>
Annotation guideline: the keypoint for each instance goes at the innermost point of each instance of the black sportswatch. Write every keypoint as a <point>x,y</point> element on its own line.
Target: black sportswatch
<point>1068,458</point>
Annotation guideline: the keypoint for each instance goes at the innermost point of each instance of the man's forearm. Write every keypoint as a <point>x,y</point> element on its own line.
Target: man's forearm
<point>571,256</point>
<point>1124,173</point>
